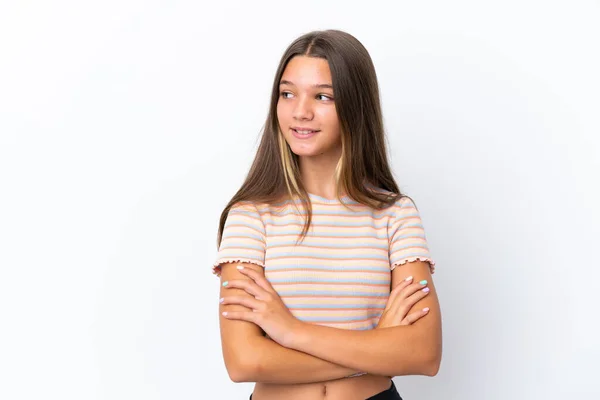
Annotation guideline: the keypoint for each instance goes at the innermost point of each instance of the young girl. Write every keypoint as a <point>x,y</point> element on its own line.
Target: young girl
<point>325,269</point>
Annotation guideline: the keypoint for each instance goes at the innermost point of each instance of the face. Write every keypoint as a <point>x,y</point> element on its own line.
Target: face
<point>306,108</point>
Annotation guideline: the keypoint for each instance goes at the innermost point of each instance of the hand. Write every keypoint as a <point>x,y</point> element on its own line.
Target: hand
<point>405,295</point>
<point>268,310</point>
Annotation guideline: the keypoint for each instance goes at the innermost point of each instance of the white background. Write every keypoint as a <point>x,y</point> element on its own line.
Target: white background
<point>126,126</point>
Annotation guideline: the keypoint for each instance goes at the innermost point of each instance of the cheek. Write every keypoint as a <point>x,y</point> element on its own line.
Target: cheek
<point>284,107</point>
<point>330,118</point>
<point>279,111</point>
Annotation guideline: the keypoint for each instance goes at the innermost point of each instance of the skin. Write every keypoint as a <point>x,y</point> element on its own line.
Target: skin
<point>268,311</point>
<point>303,102</point>
<point>306,99</point>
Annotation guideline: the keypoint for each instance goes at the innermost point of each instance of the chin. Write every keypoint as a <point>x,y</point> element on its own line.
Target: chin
<point>305,152</point>
<point>312,151</point>
<point>310,148</point>
<point>303,149</point>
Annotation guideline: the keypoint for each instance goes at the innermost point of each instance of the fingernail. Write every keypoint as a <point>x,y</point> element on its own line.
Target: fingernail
<point>409,279</point>
<point>426,309</point>
<point>423,282</point>
<point>240,267</point>
<point>221,300</point>
<point>224,313</point>
<point>225,283</point>
<point>426,290</point>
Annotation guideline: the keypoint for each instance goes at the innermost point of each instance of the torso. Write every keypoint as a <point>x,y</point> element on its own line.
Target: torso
<point>357,388</point>
<point>339,277</point>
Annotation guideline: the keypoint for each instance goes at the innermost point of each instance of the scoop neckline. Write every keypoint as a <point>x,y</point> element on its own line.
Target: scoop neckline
<point>322,199</point>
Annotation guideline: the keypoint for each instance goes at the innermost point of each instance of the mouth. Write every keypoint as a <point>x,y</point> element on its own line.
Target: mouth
<point>304,132</point>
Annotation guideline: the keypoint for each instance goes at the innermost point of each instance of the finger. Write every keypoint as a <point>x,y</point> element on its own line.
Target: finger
<point>403,292</point>
<point>257,277</point>
<point>245,301</point>
<point>402,306</point>
<point>396,291</point>
<point>415,297</point>
<point>248,285</point>
<point>413,317</point>
<point>413,288</point>
<point>241,315</point>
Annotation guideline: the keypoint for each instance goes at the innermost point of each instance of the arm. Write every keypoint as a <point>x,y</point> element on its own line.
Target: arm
<point>248,355</point>
<point>278,364</point>
<point>400,350</point>
<point>251,357</point>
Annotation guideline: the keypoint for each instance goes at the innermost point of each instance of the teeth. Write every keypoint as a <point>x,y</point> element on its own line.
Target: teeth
<point>304,132</point>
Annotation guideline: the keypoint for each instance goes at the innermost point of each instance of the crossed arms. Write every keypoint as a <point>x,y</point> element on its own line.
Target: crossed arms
<point>324,353</point>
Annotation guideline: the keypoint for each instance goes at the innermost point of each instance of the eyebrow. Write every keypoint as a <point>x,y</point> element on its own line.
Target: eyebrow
<point>319,85</point>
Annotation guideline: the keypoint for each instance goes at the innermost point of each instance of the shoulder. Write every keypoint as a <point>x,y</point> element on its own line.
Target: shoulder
<point>262,212</point>
<point>405,202</point>
<point>401,203</point>
<point>245,213</point>
<point>403,212</point>
<point>244,206</point>
<point>405,206</point>
<point>254,208</point>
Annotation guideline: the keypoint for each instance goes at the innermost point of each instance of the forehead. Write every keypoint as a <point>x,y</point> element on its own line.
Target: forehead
<point>307,71</point>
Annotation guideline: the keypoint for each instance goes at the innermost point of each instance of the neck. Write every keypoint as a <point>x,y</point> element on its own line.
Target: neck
<point>318,174</point>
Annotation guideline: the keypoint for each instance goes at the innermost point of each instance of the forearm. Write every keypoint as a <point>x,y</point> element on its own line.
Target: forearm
<point>394,351</point>
<point>277,364</point>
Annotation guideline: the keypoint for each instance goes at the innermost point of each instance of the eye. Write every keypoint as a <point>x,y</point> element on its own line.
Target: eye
<point>283,94</point>
<point>326,97</point>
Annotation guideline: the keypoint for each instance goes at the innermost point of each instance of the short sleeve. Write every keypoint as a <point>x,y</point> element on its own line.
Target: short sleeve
<point>243,237</point>
<point>407,236</point>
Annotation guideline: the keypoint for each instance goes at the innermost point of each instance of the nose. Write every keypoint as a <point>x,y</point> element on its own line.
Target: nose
<point>303,109</point>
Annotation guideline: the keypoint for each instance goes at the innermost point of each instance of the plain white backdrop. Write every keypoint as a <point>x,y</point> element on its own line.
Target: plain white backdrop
<point>126,126</point>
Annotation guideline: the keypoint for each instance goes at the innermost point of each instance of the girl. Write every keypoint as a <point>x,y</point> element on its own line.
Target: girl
<point>325,269</point>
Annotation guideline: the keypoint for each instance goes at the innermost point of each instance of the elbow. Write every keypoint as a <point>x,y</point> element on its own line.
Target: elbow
<point>432,367</point>
<point>241,371</point>
<point>427,365</point>
<point>238,376</point>
<point>431,363</point>
<point>243,363</point>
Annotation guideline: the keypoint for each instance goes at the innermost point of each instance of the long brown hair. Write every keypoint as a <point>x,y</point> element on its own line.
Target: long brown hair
<point>275,175</point>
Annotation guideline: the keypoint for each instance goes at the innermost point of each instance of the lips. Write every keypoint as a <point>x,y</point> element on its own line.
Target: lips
<point>303,130</point>
<point>304,133</point>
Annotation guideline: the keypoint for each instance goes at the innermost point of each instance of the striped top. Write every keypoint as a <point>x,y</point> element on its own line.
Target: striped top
<point>340,274</point>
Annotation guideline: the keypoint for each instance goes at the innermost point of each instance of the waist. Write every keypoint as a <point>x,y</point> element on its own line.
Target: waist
<point>360,387</point>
